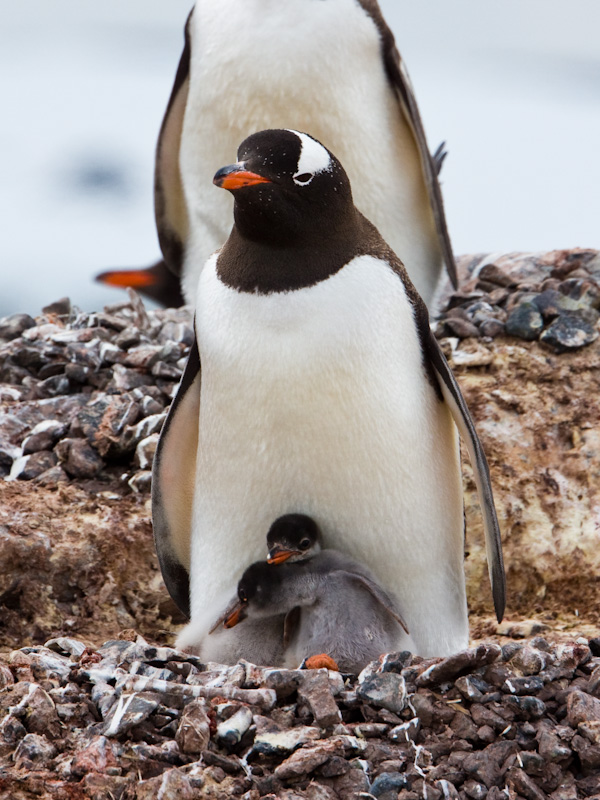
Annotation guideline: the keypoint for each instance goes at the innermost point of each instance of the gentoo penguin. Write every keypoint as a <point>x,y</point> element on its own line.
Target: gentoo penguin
<point>321,388</point>
<point>293,537</point>
<point>342,612</point>
<point>330,67</point>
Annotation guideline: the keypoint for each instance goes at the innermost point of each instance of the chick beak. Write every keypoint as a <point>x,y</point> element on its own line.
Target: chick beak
<point>236,615</point>
<point>278,555</point>
<point>236,176</point>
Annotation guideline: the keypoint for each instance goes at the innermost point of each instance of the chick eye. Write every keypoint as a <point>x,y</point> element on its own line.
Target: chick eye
<point>304,178</point>
<point>242,596</point>
<point>305,544</point>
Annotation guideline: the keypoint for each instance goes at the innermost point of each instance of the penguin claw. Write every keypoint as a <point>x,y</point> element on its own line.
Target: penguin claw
<point>319,661</point>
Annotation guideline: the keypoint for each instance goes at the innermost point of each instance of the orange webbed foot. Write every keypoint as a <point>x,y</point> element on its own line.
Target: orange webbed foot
<point>319,661</point>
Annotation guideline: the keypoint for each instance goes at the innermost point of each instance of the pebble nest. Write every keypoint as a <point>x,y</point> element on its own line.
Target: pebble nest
<point>83,397</point>
<point>551,297</point>
<point>132,720</point>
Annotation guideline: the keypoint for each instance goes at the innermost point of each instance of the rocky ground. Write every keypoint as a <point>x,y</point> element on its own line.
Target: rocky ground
<point>82,400</point>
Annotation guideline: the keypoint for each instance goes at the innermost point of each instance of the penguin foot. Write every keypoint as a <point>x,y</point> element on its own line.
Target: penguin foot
<point>319,661</point>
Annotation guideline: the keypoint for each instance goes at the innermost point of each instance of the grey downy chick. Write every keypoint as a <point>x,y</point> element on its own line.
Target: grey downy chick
<point>343,612</point>
<point>297,537</point>
<point>260,640</point>
<point>291,537</point>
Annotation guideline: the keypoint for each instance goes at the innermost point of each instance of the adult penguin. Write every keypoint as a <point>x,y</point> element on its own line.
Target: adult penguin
<point>327,66</point>
<point>322,390</point>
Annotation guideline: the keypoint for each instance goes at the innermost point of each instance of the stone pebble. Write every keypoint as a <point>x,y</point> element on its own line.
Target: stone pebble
<point>87,394</point>
<point>553,298</point>
<point>132,720</point>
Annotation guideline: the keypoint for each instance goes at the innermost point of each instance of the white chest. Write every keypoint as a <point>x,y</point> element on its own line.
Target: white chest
<point>316,401</point>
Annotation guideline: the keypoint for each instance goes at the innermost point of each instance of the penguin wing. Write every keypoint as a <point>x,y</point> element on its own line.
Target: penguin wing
<point>291,624</point>
<point>375,591</point>
<point>400,80</point>
<point>173,480</point>
<point>169,203</point>
<point>453,397</point>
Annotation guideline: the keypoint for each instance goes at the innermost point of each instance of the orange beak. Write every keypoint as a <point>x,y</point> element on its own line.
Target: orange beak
<point>279,556</point>
<point>235,177</point>
<point>136,278</point>
<point>235,616</point>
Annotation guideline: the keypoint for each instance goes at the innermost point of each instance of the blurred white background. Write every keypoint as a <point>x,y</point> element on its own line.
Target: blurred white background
<point>513,86</point>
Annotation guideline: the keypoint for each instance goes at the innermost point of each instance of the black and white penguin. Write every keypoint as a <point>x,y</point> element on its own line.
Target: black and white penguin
<point>330,67</point>
<point>315,383</point>
<point>293,537</point>
<point>332,605</point>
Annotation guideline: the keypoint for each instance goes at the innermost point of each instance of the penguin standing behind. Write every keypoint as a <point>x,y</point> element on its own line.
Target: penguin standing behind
<point>315,383</point>
<point>330,67</point>
<point>343,613</point>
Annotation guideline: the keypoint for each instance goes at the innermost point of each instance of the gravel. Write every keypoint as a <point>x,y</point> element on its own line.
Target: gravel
<point>134,720</point>
<point>82,401</point>
<point>552,297</point>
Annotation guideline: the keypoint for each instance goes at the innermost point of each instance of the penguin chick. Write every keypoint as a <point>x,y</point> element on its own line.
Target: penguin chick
<point>293,537</point>
<point>259,641</point>
<point>343,612</point>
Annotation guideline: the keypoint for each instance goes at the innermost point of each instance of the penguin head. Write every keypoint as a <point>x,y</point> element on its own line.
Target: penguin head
<point>257,591</point>
<point>293,537</point>
<point>288,189</point>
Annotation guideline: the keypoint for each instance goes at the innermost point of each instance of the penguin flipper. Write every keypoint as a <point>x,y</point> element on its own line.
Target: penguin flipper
<point>464,423</point>
<point>291,624</point>
<point>170,210</point>
<point>173,483</point>
<point>400,80</point>
<point>376,593</point>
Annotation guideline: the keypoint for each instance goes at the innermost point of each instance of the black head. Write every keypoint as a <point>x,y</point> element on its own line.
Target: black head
<point>258,583</point>
<point>293,537</point>
<point>293,197</point>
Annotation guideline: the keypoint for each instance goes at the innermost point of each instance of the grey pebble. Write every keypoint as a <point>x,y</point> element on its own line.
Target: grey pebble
<point>525,322</point>
<point>570,332</point>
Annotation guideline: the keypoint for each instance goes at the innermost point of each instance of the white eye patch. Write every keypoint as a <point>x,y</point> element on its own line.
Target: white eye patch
<point>313,159</point>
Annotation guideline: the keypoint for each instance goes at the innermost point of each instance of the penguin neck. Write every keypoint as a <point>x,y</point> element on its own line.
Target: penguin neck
<point>264,266</point>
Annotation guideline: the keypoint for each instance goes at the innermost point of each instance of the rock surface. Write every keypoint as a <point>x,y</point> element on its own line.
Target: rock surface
<point>134,720</point>
<point>82,401</point>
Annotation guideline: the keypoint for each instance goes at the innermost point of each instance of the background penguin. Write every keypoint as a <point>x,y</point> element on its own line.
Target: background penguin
<point>330,67</point>
<point>343,612</point>
<point>321,388</point>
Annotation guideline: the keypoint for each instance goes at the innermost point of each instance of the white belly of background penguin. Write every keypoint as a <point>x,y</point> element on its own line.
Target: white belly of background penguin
<point>325,66</point>
<point>321,390</point>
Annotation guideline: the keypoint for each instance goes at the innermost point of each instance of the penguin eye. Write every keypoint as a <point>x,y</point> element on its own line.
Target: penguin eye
<point>304,178</point>
<point>242,595</point>
<point>304,544</point>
